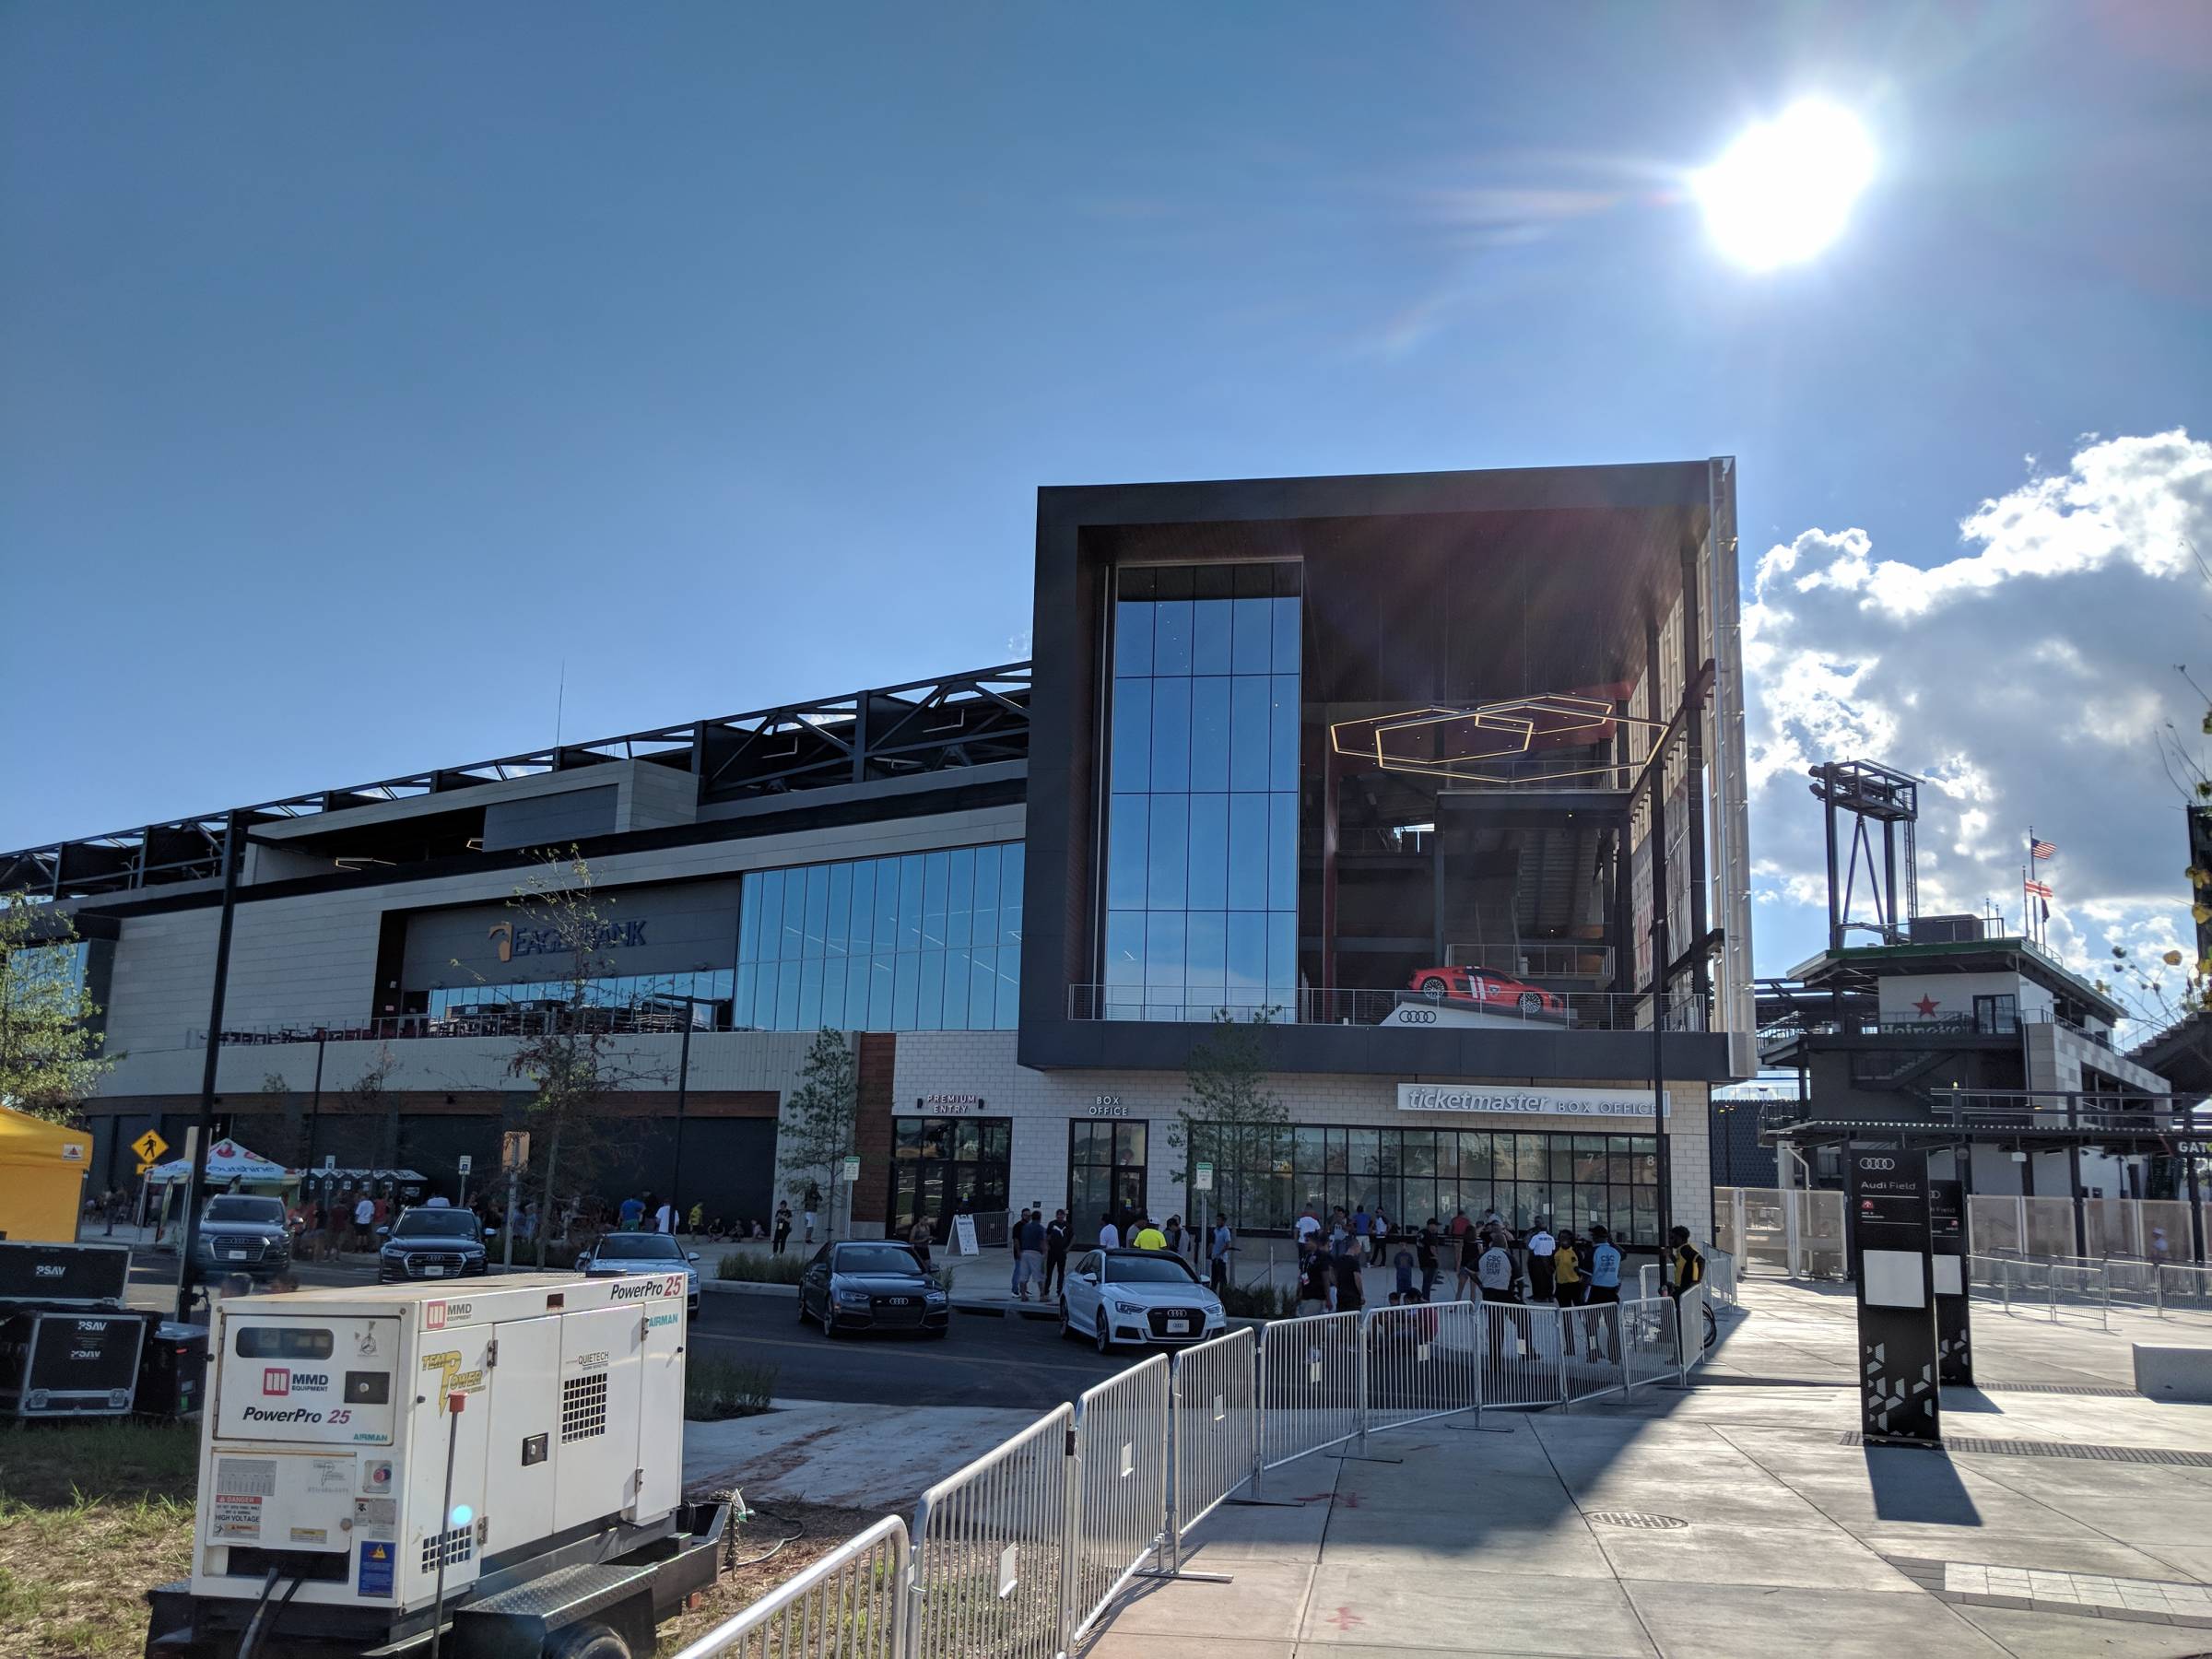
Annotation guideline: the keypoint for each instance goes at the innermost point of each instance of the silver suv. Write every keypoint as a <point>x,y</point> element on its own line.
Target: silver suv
<point>243,1234</point>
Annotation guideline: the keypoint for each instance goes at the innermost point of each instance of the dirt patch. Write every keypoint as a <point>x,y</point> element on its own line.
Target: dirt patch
<point>818,1529</point>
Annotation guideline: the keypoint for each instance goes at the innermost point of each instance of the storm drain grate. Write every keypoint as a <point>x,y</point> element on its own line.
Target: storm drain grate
<point>2026,1448</point>
<point>1636,1518</point>
<point>2100,1391</point>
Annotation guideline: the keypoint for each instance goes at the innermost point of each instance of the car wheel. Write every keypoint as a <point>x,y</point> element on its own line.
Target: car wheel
<point>1531,1003</point>
<point>801,1299</point>
<point>829,1320</point>
<point>938,1332</point>
<point>1067,1329</point>
<point>1433,989</point>
<point>1100,1336</point>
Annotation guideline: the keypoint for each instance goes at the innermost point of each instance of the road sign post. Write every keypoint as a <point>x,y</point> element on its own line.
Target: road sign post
<point>465,1163</point>
<point>514,1152</point>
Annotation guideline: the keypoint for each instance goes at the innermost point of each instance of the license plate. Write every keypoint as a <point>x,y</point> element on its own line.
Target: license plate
<point>1179,1327</point>
<point>236,1255</point>
<point>433,1273</point>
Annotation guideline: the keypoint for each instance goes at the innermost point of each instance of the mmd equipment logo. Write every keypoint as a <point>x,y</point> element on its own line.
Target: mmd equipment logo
<point>275,1380</point>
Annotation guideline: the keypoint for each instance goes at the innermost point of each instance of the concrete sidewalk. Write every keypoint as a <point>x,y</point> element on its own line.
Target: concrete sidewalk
<point>1734,1519</point>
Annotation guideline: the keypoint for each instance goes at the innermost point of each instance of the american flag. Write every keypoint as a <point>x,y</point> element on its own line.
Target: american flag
<point>2040,849</point>
<point>2038,888</point>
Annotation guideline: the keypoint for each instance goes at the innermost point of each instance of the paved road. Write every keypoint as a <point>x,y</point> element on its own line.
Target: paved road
<point>985,1361</point>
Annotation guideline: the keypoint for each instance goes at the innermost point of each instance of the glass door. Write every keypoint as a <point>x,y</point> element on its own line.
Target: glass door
<point>941,1167</point>
<point>1105,1174</point>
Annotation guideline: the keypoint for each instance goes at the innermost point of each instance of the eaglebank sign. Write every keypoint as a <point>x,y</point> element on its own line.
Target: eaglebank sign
<point>1530,1102</point>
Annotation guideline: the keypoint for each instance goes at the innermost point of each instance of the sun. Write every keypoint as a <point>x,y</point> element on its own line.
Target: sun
<point>1784,189</point>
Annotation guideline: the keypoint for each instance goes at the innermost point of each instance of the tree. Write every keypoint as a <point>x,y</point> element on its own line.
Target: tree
<point>570,1051</point>
<point>818,1129</point>
<point>51,1061</point>
<point>1230,1117</point>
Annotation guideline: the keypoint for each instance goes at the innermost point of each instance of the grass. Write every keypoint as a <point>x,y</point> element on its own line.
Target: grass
<point>92,1517</point>
<point>726,1388</point>
<point>819,1530</point>
<point>761,1269</point>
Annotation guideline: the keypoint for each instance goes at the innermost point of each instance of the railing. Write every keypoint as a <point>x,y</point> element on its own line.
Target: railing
<point>396,1028</point>
<point>992,1548</point>
<point>1122,1429</point>
<point>1526,1010</point>
<point>849,1604</point>
<point>2059,1287</point>
<point>1215,1390</point>
<point>1310,1390</point>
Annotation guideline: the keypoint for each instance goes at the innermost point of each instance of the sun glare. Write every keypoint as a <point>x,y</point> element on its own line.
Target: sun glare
<point>1783,191</point>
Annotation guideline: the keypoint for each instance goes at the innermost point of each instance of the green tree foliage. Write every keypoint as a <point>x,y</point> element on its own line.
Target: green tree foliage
<point>51,1061</point>
<point>819,1121</point>
<point>1229,1116</point>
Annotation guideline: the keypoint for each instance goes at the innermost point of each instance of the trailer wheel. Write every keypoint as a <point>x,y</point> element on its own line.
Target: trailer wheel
<point>587,1642</point>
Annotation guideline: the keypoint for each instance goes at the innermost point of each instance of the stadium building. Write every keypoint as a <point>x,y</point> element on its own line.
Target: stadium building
<point>1442,775</point>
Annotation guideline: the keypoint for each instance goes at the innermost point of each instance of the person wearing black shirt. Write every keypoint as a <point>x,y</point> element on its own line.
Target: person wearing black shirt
<point>1351,1296</point>
<point>1314,1281</point>
<point>1056,1252</point>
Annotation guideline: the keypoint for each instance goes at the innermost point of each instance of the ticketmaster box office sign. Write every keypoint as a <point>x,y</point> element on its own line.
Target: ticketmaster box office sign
<point>1532,1102</point>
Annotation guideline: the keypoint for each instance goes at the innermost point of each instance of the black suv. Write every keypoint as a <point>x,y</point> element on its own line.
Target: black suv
<point>243,1234</point>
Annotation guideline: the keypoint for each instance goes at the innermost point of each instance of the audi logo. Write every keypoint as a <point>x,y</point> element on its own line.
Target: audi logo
<point>1878,1165</point>
<point>1420,1015</point>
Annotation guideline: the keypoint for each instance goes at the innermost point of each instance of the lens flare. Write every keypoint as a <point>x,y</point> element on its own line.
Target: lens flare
<point>1784,189</point>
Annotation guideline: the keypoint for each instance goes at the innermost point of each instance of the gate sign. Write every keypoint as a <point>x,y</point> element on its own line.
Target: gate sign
<point>1947,1235</point>
<point>1204,1181</point>
<point>149,1147</point>
<point>1887,1214</point>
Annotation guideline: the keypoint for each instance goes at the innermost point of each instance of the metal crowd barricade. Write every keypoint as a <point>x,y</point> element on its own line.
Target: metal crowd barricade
<point>1649,1282</point>
<point>1121,1509</point>
<point>2079,1289</point>
<point>1720,1277</point>
<point>1691,1309</point>
<point>1518,1353</point>
<point>849,1605</point>
<point>1422,1364</point>
<point>1309,1392</point>
<point>1215,1390</point>
<point>991,1548</point>
<point>2183,1290</point>
<point>1651,1340</point>
<point>1992,1274</point>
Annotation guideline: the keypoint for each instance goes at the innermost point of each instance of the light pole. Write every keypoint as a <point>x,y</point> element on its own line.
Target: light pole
<point>683,1087</point>
<point>233,831</point>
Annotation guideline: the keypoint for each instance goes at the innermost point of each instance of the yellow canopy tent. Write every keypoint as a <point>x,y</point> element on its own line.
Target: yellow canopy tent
<point>42,1169</point>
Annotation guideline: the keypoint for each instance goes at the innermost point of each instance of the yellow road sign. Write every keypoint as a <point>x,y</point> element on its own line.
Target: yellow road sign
<point>149,1147</point>
<point>146,1167</point>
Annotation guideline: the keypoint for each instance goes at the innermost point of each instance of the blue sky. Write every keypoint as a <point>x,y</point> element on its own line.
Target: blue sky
<point>363,364</point>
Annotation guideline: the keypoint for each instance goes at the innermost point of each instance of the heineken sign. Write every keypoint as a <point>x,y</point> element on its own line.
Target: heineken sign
<point>1530,1102</point>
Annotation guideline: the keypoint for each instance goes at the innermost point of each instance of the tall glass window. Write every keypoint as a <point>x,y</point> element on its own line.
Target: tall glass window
<point>927,942</point>
<point>1201,854</point>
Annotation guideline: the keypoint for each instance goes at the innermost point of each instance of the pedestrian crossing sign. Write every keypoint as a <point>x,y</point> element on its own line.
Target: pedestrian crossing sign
<point>149,1147</point>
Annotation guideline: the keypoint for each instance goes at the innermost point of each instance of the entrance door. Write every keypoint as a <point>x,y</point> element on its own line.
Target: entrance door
<point>939,1164</point>
<point>1105,1173</point>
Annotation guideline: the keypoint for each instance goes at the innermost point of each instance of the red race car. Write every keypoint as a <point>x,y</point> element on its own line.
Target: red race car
<point>1485,991</point>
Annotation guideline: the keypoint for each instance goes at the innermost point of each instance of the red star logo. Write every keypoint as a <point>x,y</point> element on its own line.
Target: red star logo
<point>1926,1005</point>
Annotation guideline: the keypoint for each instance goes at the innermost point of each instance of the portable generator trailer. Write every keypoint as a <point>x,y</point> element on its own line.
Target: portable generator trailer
<point>498,1466</point>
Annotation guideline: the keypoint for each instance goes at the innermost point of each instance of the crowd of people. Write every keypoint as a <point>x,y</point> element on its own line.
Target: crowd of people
<point>1494,1262</point>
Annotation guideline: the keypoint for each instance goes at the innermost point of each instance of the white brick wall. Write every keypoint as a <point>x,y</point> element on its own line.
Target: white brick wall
<point>1044,1103</point>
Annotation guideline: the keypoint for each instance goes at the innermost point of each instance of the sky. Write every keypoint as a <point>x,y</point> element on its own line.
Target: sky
<point>380,384</point>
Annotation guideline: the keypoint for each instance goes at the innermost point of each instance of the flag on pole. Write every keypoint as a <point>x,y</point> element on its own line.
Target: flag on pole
<point>2040,849</point>
<point>2039,890</point>
<point>2046,912</point>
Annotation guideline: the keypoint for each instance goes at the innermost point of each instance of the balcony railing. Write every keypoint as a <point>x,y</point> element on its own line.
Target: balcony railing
<point>2032,1112</point>
<point>509,1023</point>
<point>1546,1011</point>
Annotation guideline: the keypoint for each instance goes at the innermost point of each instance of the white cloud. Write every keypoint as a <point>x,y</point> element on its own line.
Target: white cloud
<point>2027,674</point>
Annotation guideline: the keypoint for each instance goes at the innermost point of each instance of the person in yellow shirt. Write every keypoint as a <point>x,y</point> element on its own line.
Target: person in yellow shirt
<point>1567,1281</point>
<point>1150,1237</point>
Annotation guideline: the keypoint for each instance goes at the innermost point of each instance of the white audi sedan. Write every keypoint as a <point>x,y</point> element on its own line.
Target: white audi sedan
<point>1137,1296</point>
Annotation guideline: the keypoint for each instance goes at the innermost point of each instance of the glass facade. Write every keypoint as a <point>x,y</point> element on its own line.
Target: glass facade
<point>1105,1172</point>
<point>1202,809</point>
<point>1575,1180</point>
<point>925,942</point>
<point>945,1167</point>
<point>711,986</point>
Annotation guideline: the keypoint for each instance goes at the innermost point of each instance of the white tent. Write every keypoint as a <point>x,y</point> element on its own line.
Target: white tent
<point>226,1161</point>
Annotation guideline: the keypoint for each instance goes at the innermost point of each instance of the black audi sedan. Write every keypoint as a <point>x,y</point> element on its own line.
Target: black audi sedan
<point>431,1245</point>
<point>872,1287</point>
